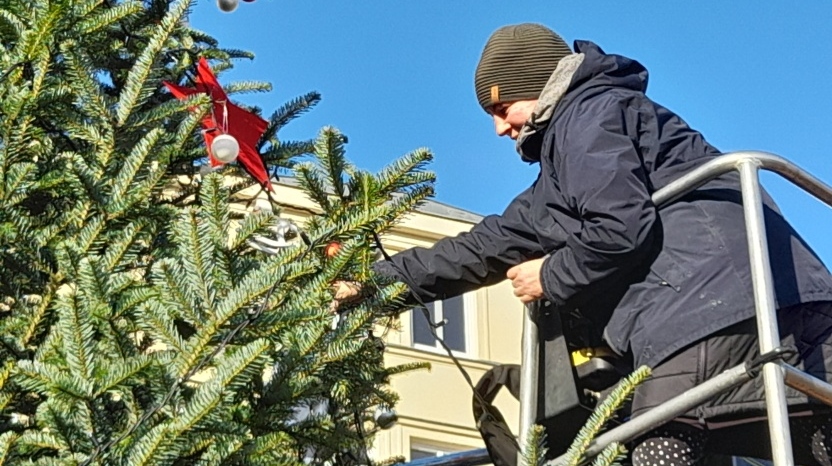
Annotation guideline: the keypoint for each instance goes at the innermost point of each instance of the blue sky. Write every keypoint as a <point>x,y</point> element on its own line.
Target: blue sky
<point>396,76</point>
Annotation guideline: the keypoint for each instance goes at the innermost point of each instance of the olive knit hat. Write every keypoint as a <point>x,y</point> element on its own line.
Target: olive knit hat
<point>517,62</point>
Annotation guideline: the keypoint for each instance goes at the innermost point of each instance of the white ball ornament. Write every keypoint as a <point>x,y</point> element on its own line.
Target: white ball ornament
<point>225,148</point>
<point>228,5</point>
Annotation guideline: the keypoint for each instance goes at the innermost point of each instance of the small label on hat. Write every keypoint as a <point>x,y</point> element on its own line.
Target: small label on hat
<point>495,93</point>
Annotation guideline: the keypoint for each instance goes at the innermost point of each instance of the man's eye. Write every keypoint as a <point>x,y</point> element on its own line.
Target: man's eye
<point>499,110</point>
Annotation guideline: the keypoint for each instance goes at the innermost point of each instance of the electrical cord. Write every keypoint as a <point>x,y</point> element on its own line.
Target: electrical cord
<point>433,326</point>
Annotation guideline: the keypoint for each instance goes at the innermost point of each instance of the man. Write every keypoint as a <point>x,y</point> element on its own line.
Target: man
<point>672,286</point>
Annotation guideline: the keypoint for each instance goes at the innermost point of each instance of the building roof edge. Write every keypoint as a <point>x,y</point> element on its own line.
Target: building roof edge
<point>429,207</point>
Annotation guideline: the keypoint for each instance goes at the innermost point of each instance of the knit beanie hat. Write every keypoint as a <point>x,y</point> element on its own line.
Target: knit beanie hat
<point>517,62</point>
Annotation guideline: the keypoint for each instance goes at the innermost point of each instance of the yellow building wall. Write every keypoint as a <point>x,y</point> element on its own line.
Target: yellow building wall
<point>435,405</point>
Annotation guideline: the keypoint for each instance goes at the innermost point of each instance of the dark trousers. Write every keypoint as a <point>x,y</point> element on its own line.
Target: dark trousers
<point>734,422</point>
<point>682,444</point>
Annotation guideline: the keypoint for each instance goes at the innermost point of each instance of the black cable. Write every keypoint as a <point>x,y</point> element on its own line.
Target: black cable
<point>755,366</point>
<point>433,326</point>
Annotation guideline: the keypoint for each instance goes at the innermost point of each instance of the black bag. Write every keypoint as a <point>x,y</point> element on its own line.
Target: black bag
<point>499,441</point>
<point>568,391</point>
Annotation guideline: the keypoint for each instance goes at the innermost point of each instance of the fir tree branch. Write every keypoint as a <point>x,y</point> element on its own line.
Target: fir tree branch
<point>613,453</point>
<point>129,97</point>
<point>114,14</point>
<point>6,441</point>
<point>602,414</point>
<point>76,330</point>
<point>329,150</point>
<point>288,112</point>
<point>534,451</point>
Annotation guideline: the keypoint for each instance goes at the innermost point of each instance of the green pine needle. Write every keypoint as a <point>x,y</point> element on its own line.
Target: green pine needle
<point>613,454</point>
<point>534,451</point>
<point>602,414</point>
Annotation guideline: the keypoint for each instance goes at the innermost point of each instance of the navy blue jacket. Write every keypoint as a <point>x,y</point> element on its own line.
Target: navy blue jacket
<point>658,279</point>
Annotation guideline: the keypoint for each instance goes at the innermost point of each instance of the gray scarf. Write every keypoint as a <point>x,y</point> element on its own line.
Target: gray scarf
<point>550,96</point>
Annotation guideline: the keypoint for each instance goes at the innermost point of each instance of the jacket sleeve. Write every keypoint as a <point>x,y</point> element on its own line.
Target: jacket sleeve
<point>470,260</point>
<point>601,174</point>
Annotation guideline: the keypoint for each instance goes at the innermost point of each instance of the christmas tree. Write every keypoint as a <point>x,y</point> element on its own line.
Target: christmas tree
<point>143,320</point>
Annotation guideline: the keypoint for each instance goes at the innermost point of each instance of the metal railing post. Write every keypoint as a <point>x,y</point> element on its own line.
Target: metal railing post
<point>767,328</point>
<point>805,383</point>
<point>528,374</point>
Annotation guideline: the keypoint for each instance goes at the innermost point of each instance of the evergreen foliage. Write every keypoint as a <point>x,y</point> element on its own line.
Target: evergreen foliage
<point>613,453</point>
<point>534,451</point>
<point>137,324</point>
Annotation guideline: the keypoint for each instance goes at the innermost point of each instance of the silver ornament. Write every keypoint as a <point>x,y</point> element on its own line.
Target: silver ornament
<point>228,5</point>
<point>385,418</point>
<point>225,148</point>
<point>284,231</point>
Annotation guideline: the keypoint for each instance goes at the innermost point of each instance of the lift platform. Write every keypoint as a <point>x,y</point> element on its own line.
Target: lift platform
<point>775,373</point>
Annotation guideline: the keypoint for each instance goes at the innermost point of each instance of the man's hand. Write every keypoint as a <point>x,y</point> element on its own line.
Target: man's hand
<point>344,293</point>
<point>525,278</point>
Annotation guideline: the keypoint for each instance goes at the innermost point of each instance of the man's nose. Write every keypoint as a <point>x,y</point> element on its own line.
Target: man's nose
<point>501,126</point>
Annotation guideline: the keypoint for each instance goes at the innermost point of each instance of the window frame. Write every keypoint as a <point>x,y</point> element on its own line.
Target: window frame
<point>439,449</point>
<point>470,327</point>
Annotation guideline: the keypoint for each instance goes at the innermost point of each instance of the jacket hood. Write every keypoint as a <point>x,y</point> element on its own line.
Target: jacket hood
<point>601,69</point>
<point>587,69</point>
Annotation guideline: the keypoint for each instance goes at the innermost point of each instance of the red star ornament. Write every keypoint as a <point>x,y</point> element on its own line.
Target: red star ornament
<point>246,127</point>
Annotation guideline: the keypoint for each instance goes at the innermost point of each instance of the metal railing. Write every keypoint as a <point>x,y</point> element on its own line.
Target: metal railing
<point>776,374</point>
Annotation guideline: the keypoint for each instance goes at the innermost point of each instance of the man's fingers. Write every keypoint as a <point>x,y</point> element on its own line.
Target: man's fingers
<point>345,291</point>
<point>512,272</point>
<point>524,298</point>
<point>342,292</point>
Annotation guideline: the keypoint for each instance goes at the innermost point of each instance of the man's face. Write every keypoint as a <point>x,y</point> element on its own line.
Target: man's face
<point>509,117</point>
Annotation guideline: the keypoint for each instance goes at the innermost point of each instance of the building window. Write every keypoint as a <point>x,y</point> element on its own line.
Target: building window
<point>457,329</point>
<point>422,449</point>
